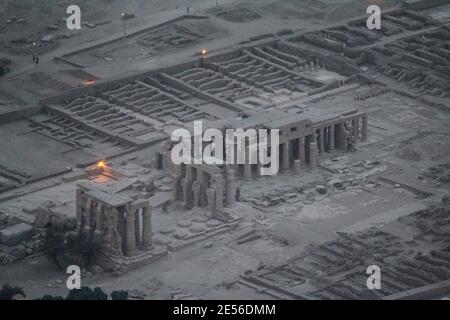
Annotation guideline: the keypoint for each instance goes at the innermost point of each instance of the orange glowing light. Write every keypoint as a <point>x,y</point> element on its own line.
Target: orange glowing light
<point>101,164</point>
<point>204,52</point>
<point>89,82</point>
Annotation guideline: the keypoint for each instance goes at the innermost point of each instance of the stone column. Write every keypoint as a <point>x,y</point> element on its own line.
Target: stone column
<point>355,123</point>
<point>321,140</point>
<point>167,158</point>
<point>297,166</point>
<point>203,187</point>
<point>341,142</point>
<point>231,188</point>
<point>147,227</point>
<point>137,228</point>
<point>211,195</point>
<point>79,205</point>
<point>187,192</point>
<point>236,168</point>
<point>88,215</point>
<point>158,163</point>
<point>130,235</point>
<point>286,156</point>
<point>98,218</point>
<point>247,172</point>
<point>218,187</point>
<point>331,139</point>
<point>301,149</point>
<point>112,239</point>
<point>364,128</point>
<point>313,155</point>
<point>196,189</point>
<point>176,186</point>
<point>258,169</point>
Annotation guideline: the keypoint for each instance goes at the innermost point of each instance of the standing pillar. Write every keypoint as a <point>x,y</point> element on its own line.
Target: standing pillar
<point>286,156</point>
<point>98,218</point>
<point>235,166</point>
<point>247,166</point>
<point>231,188</point>
<point>301,149</point>
<point>342,139</point>
<point>321,140</point>
<point>313,155</point>
<point>196,190</point>
<point>258,169</point>
<point>87,215</point>
<point>176,186</point>
<point>112,241</point>
<point>355,123</point>
<point>146,227</point>
<point>247,172</point>
<point>168,165</point>
<point>218,187</point>
<point>130,236</point>
<point>364,128</point>
<point>297,166</point>
<point>211,195</point>
<point>79,206</point>
<point>187,192</point>
<point>331,138</point>
<point>137,228</point>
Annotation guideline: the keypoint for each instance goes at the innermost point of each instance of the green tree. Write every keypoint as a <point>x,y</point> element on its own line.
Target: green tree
<point>65,248</point>
<point>49,297</point>
<point>119,295</point>
<point>86,293</point>
<point>8,292</point>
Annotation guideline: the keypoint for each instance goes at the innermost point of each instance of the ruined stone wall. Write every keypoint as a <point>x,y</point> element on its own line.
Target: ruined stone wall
<point>423,4</point>
<point>14,115</point>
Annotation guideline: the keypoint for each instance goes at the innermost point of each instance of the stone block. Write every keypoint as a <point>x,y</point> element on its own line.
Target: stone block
<point>15,234</point>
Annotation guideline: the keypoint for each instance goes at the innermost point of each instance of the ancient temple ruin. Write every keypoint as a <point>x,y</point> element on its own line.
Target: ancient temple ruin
<point>120,225</point>
<point>302,141</point>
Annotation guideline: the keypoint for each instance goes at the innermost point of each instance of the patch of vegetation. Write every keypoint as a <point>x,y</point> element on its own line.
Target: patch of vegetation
<point>8,292</point>
<point>66,248</point>
<point>86,293</point>
<point>119,295</point>
<point>4,66</point>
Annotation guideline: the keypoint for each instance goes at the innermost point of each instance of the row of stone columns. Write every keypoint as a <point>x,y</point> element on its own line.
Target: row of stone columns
<point>300,158</point>
<point>133,236</point>
<point>328,138</point>
<point>335,135</point>
<point>199,193</point>
<point>285,160</point>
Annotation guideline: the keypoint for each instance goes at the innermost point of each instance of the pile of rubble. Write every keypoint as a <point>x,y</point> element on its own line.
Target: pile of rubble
<point>18,240</point>
<point>336,269</point>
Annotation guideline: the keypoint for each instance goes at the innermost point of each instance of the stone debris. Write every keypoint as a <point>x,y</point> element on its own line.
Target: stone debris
<point>15,234</point>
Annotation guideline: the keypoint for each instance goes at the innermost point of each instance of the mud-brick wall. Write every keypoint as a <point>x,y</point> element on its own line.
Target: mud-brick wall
<point>20,113</point>
<point>423,4</point>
